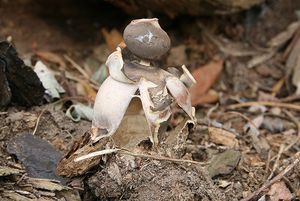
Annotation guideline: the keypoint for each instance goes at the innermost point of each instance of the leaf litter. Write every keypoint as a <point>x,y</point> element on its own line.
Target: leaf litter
<point>243,153</point>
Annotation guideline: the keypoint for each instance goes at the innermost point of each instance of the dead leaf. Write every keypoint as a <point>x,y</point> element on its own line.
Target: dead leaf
<point>228,47</point>
<point>129,136</point>
<point>210,97</point>
<point>279,191</point>
<point>296,74</point>
<point>276,88</point>
<point>51,57</point>
<point>293,56</point>
<point>53,88</point>
<point>89,90</point>
<point>16,196</point>
<point>46,184</point>
<point>5,171</point>
<point>223,137</point>
<point>259,143</point>
<point>112,38</point>
<point>205,76</point>
<point>274,125</point>
<point>224,163</point>
<point>284,36</point>
<point>262,96</point>
<point>253,160</point>
<point>259,59</point>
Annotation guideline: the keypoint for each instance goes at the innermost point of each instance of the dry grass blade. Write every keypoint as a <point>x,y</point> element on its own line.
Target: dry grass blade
<point>38,121</point>
<point>96,153</point>
<point>297,123</point>
<point>161,158</point>
<point>77,66</point>
<point>275,179</point>
<point>127,152</point>
<point>265,103</point>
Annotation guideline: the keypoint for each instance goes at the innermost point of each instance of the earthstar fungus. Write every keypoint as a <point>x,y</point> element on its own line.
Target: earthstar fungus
<point>132,73</point>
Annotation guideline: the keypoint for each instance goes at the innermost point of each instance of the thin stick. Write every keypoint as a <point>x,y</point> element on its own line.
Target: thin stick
<point>161,158</point>
<point>275,179</point>
<point>77,66</point>
<point>76,79</point>
<point>290,98</point>
<point>276,162</point>
<point>266,103</point>
<point>127,152</point>
<point>298,130</point>
<point>1,113</point>
<point>96,153</point>
<point>244,117</point>
<point>38,121</point>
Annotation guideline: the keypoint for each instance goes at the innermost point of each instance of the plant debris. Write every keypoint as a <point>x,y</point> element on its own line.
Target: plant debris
<point>239,142</point>
<point>37,155</point>
<point>19,83</point>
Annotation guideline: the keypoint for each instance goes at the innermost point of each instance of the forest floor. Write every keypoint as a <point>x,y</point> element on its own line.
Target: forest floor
<point>244,146</point>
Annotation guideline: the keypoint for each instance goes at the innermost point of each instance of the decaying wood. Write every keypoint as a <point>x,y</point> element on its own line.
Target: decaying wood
<point>20,84</point>
<point>69,168</point>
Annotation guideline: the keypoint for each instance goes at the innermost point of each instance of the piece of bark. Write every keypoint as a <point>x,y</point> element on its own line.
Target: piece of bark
<point>25,86</point>
<point>69,168</point>
<point>5,93</point>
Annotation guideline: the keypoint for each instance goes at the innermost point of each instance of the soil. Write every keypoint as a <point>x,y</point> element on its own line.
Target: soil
<point>74,28</point>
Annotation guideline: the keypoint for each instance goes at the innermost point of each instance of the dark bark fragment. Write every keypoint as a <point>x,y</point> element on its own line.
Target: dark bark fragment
<point>24,84</point>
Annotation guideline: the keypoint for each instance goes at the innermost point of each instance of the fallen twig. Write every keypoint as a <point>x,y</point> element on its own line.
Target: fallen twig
<point>77,66</point>
<point>161,158</point>
<point>265,103</point>
<point>297,123</point>
<point>244,117</point>
<point>275,179</point>
<point>276,162</point>
<point>38,121</point>
<point>96,153</point>
<point>127,152</point>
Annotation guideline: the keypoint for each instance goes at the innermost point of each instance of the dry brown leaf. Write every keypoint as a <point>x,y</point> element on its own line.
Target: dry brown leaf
<point>112,38</point>
<point>210,97</point>
<point>281,38</point>
<point>51,57</point>
<point>4,171</point>
<point>223,137</point>
<point>279,191</point>
<point>46,184</point>
<point>132,131</point>
<point>89,91</point>
<point>205,76</point>
<point>253,160</point>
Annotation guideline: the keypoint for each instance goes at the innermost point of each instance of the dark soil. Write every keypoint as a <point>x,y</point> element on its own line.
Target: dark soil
<point>73,27</point>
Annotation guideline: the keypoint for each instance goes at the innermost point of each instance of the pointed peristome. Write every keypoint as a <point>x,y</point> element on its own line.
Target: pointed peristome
<point>181,95</point>
<point>154,118</point>
<point>115,65</point>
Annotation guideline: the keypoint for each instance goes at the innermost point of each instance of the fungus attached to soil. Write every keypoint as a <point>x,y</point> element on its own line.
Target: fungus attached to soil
<point>132,74</point>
